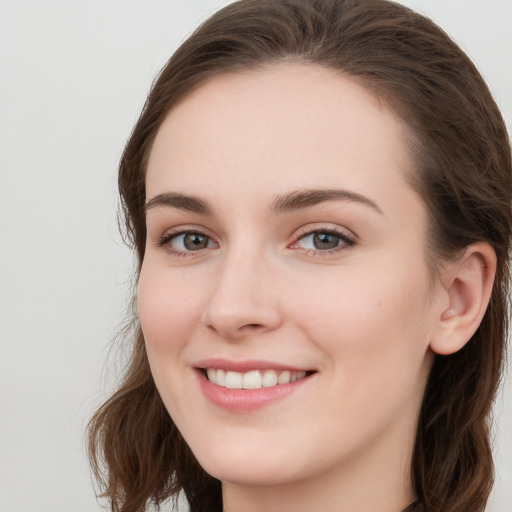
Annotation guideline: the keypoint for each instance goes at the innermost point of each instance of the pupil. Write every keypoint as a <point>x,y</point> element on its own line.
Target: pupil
<point>325,241</point>
<point>193,242</point>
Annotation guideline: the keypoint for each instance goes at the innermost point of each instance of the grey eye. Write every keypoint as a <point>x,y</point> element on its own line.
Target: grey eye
<point>191,242</point>
<point>321,241</point>
<point>325,241</point>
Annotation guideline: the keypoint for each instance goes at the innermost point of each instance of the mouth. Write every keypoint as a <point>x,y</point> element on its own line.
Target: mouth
<point>246,386</point>
<point>253,379</point>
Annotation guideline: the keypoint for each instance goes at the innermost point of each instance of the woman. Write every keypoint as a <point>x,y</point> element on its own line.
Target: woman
<point>319,193</point>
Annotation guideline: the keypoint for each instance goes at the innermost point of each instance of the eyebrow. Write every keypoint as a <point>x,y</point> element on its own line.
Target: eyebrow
<point>179,201</point>
<point>307,198</point>
<point>296,200</point>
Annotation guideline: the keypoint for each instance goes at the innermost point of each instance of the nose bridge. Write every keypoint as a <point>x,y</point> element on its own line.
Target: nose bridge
<point>243,298</point>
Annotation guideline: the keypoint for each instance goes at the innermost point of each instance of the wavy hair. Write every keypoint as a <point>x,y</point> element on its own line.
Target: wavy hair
<point>462,171</point>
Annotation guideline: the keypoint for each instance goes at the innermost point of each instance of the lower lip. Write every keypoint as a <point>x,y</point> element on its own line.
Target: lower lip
<point>247,400</point>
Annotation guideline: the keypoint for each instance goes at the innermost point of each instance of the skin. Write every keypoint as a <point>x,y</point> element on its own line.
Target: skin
<point>362,315</point>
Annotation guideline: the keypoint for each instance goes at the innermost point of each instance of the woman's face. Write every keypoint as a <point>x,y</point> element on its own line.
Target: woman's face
<point>284,242</point>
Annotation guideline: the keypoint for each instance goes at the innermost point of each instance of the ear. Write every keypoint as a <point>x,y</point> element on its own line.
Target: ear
<point>467,285</point>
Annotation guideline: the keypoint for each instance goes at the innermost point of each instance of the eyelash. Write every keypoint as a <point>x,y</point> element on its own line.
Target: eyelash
<point>345,241</point>
<point>165,241</point>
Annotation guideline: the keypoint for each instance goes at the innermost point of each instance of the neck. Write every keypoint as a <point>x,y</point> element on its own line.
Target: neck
<point>372,483</point>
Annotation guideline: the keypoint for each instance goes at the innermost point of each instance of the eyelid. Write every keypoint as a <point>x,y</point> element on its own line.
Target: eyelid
<point>348,238</point>
<point>184,228</point>
<point>169,235</point>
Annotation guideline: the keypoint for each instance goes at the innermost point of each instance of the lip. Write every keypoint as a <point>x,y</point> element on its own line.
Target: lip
<point>246,400</point>
<point>246,366</point>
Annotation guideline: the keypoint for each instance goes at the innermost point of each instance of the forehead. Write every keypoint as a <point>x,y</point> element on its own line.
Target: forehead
<point>281,125</point>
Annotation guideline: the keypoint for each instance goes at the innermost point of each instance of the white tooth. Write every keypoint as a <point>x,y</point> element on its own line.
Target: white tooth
<point>284,378</point>
<point>212,377</point>
<point>252,380</point>
<point>269,379</point>
<point>221,378</point>
<point>234,380</point>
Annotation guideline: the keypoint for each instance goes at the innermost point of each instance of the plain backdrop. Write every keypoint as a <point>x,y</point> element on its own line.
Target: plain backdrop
<point>73,77</point>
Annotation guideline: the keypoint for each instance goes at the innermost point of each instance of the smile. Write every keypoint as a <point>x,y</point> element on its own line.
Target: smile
<point>254,379</point>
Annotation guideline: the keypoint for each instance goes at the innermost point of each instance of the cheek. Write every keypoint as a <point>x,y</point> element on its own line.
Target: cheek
<point>168,310</point>
<point>168,315</point>
<point>371,317</point>
<point>375,330</point>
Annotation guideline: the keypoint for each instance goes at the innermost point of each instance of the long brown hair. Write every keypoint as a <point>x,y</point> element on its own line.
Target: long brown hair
<point>463,172</point>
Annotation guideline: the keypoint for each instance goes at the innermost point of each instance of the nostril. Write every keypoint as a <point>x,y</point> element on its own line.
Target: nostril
<point>251,327</point>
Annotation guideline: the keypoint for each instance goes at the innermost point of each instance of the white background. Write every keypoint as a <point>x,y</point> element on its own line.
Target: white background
<point>73,77</point>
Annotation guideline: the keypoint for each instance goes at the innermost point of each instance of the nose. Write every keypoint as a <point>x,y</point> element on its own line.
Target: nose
<point>245,299</point>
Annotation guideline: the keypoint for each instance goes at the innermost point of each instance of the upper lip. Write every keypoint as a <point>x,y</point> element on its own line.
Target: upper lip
<point>246,366</point>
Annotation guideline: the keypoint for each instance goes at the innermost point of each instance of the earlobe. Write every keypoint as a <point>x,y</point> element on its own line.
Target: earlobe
<point>468,285</point>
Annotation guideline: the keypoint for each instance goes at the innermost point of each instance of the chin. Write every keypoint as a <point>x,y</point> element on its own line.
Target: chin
<point>249,467</point>
<point>251,475</point>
